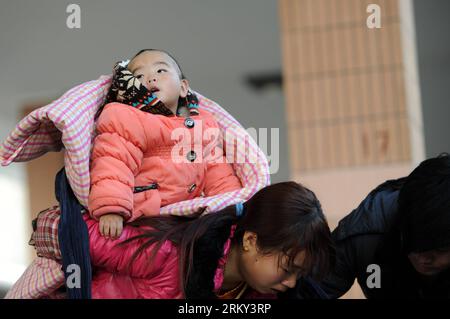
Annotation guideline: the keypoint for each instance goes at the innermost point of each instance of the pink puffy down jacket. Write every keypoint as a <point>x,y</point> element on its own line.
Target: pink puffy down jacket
<point>141,161</point>
<point>114,276</point>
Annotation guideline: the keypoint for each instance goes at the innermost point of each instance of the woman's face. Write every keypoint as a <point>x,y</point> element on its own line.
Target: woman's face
<point>268,273</point>
<point>431,262</point>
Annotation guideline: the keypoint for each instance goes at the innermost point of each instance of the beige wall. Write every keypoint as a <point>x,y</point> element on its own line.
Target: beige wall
<point>348,106</point>
<point>344,85</point>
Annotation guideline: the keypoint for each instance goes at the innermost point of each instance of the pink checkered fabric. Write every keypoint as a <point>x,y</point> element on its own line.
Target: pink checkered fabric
<point>69,122</point>
<point>40,280</point>
<point>44,276</point>
<point>45,236</point>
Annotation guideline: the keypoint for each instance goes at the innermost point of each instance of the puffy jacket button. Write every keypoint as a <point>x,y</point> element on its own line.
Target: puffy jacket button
<point>191,156</point>
<point>192,188</point>
<point>189,123</point>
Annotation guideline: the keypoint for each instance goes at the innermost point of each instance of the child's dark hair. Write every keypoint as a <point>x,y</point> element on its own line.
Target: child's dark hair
<point>286,217</point>
<point>181,74</point>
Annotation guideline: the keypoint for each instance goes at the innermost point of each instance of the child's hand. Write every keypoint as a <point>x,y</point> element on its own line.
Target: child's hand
<point>111,225</point>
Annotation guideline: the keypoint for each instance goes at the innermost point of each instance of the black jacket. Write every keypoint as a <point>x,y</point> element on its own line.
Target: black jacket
<point>367,236</point>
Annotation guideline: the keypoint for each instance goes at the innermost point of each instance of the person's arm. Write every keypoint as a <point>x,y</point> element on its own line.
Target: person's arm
<point>345,270</point>
<point>353,255</point>
<point>339,280</point>
<point>116,158</point>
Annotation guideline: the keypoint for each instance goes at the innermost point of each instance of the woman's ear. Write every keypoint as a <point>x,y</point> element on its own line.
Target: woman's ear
<point>249,241</point>
<point>184,88</point>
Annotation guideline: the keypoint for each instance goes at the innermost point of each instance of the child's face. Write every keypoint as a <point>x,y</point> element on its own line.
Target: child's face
<point>159,74</point>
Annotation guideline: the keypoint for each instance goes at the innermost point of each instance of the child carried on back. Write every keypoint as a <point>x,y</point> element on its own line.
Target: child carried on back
<point>154,147</point>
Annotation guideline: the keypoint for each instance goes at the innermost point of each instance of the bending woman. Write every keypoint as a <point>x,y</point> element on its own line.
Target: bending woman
<point>254,249</point>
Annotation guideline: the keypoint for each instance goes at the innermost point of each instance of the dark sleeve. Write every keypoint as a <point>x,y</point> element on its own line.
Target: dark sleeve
<point>337,283</point>
<point>353,254</point>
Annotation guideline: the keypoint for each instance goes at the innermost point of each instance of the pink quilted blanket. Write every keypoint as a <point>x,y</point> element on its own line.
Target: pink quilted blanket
<point>69,122</point>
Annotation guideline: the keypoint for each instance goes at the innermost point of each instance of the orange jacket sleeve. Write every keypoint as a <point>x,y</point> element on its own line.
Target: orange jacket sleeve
<point>115,160</point>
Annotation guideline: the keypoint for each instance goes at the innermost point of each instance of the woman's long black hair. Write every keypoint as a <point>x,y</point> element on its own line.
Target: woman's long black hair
<point>286,217</point>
